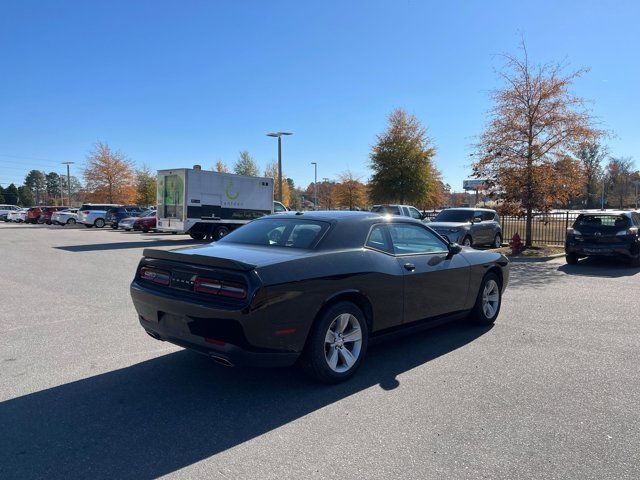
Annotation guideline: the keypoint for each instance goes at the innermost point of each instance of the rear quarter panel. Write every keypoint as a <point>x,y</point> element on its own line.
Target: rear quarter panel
<point>294,292</point>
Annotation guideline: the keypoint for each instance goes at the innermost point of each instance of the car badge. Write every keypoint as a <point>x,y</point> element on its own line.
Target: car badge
<point>598,234</point>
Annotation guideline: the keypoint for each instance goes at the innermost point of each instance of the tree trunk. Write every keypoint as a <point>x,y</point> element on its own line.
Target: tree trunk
<point>528,234</point>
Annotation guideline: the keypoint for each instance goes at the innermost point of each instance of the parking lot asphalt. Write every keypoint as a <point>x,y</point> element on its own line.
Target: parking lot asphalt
<point>551,391</point>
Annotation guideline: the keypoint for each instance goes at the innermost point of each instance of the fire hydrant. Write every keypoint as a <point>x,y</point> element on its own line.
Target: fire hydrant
<point>516,244</point>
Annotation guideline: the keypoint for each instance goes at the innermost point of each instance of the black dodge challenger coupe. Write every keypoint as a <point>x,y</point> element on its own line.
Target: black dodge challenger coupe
<point>313,287</point>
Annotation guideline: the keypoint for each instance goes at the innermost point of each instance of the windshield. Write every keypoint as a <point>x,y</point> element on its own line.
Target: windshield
<point>618,221</point>
<point>457,216</point>
<point>279,232</point>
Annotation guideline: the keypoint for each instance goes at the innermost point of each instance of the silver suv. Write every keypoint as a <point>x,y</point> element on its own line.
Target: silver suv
<point>93,214</point>
<point>471,227</point>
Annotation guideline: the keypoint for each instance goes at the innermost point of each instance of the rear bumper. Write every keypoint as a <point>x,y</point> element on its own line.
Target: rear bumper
<point>627,250</point>
<point>217,333</point>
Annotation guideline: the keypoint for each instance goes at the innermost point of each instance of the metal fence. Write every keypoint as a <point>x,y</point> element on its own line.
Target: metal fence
<point>546,228</point>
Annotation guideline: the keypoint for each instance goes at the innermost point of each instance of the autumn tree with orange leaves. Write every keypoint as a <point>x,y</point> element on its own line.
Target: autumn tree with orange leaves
<point>109,176</point>
<point>350,192</point>
<point>535,125</point>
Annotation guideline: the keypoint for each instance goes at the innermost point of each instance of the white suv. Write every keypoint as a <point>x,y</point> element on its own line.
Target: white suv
<point>93,214</point>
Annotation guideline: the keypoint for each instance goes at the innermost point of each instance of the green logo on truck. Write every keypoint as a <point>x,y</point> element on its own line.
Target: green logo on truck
<point>230,195</point>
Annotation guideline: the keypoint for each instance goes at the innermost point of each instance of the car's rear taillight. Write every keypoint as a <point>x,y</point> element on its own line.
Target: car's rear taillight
<point>629,231</point>
<point>161,277</point>
<point>220,287</point>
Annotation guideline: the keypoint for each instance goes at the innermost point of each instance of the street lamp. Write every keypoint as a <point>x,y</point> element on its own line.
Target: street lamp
<point>315,185</point>
<point>68,181</point>
<point>279,135</point>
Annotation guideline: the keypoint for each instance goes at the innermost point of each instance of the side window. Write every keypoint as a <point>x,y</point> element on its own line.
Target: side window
<point>407,239</point>
<point>487,216</point>
<point>477,215</point>
<point>415,213</point>
<point>379,240</point>
<point>278,207</point>
<point>405,212</point>
<point>636,219</point>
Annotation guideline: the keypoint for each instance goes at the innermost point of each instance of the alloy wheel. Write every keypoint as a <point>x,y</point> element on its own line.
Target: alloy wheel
<point>343,343</point>
<point>490,299</point>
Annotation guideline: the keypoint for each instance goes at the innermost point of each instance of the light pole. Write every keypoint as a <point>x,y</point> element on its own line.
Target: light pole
<point>279,135</point>
<point>604,179</point>
<point>315,185</point>
<point>68,180</point>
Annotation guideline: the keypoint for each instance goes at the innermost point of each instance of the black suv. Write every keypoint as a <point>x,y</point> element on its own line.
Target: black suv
<point>604,234</point>
<point>114,215</point>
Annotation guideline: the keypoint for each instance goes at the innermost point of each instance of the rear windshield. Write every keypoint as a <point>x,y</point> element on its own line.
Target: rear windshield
<point>602,221</point>
<point>459,216</point>
<point>386,210</point>
<point>279,232</point>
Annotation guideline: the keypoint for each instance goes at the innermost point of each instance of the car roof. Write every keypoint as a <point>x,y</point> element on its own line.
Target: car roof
<point>343,216</point>
<point>607,212</point>
<point>470,209</point>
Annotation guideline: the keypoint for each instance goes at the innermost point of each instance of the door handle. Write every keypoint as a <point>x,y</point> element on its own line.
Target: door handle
<point>409,266</point>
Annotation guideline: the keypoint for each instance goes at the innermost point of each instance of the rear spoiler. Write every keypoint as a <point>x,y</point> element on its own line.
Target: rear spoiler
<point>197,259</point>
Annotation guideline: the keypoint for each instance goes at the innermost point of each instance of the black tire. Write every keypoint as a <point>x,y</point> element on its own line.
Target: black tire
<point>145,230</point>
<point>114,226</point>
<point>71,221</point>
<point>314,359</point>
<point>497,241</point>
<point>571,258</point>
<point>99,223</point>
<point>48,222</point>
<point>478,315</point>
<point>88,226</point>
<point>220,232</point>
<point>197,235</point>
<point>635,261</point>
<point>469,240</point>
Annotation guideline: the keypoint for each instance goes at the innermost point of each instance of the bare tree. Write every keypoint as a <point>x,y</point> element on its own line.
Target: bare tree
<point>535,121</point>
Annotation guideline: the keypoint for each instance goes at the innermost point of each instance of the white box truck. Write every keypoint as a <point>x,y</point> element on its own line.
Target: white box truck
<point>210,204</point>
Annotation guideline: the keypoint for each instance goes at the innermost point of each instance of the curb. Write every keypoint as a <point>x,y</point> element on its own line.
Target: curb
<point>534,259</point>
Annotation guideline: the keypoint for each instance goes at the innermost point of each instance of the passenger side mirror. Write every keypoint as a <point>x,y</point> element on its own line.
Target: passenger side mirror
<point>476,220</point>
<point>454,249</point>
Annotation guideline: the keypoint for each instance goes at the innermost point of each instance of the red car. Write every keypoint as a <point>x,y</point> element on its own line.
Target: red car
<point>146,222</point>
<point>33,214</point>
<point>45,215</point>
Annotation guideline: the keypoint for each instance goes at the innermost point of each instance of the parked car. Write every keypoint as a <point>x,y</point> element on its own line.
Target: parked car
<point>314,287</point>
<point>128,223</point>
<point>5,210</point>
<point>279,207</point>
<point>17,216</point>
<point>114,215</point>
<point>604,234</point>
<point>146,221</point>
<point>470,227</point>
<point>402,210</point>
<point>33,214</point>
<point>47,212</point>
<point>65,217</point>
<point>94,214</point>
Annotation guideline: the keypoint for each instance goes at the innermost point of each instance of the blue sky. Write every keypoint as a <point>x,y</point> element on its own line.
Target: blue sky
<point>172,84</point>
